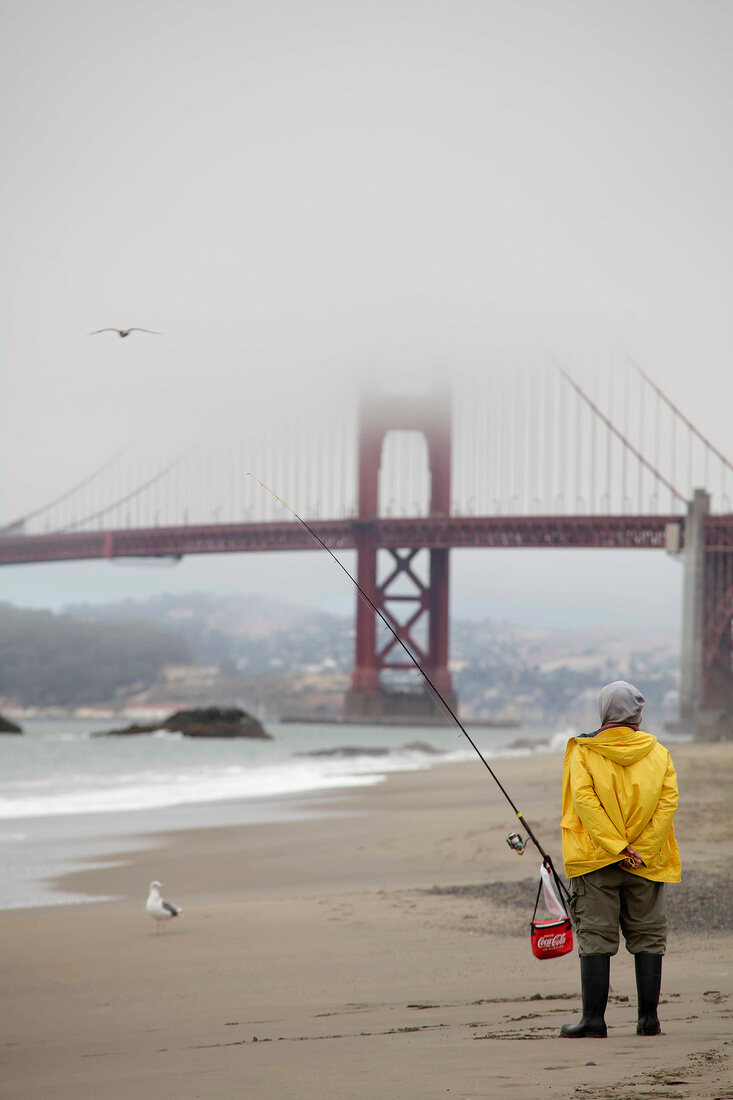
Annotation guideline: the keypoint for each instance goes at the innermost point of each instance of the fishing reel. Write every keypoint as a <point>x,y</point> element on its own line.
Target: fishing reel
<point>516,843</point>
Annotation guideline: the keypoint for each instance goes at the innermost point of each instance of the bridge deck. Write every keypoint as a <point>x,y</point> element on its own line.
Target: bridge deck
<point>432,532</point>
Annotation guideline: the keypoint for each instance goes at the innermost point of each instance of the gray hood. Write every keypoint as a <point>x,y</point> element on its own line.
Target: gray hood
<point>620,702</point>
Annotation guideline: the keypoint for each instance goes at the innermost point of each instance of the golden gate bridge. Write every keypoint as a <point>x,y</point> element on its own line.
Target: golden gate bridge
<point>515,459</point>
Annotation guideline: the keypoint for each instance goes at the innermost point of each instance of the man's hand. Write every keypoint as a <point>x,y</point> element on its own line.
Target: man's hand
<point>633,859</point>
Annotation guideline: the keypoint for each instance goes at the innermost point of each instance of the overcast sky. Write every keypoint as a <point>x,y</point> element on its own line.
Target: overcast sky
<point>296,193</point>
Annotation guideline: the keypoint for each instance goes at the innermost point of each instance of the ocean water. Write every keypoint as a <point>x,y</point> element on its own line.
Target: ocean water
<point>69,799</point>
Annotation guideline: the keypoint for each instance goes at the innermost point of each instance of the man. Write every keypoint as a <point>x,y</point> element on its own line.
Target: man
<point>619,796</point>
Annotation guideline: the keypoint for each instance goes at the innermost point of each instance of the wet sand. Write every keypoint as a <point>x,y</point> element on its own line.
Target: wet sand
<point>314,960</point>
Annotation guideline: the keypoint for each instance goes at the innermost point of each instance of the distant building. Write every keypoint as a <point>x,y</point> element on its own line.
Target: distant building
<point>191,675</point>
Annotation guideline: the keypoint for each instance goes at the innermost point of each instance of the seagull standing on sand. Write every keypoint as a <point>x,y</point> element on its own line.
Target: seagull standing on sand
<point>160,910</point>
<point>123,332</point>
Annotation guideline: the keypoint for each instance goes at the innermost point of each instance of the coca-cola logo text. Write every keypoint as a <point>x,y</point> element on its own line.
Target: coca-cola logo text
<point>549,943</point>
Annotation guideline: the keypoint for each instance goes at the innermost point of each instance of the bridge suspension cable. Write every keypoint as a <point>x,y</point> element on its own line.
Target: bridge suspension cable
<point>76,524</point>
<point>680,415</point>
<point>627,444</point>
<point>75,488</point>
<point>527,439</point>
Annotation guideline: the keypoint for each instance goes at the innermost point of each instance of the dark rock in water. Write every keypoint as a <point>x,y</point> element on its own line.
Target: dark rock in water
<point>6,726</point>
<point>528,743</point>
<point>345,752</point>
<point>128,729</point>
<point>215,722</point>
<point>206,722</point>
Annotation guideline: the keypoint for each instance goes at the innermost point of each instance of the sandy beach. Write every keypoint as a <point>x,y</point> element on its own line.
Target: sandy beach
<point>377,948</point>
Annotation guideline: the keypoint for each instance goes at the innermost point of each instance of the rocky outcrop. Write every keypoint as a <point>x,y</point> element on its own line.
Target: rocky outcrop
<point>6,726</point>
<point>205,722</point>
<point>345,752</point>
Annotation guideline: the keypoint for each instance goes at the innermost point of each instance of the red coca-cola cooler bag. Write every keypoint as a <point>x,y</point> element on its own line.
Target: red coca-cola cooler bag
<point>554,937</point>
<point>551,938</point>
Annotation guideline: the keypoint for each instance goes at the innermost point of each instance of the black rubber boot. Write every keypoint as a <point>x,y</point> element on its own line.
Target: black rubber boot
<point>648,985</point>
<point>594,975</point>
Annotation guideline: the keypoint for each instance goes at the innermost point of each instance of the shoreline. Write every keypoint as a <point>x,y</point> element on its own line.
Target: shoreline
<point>314,959</point>
<point>310,823</point>
<point>41,847</point>
<point>41,852</point>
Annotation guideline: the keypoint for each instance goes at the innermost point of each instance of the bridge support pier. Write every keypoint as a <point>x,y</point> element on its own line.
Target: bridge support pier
<point>706,682</point>
<point>415,607</point>
<point>717,693</point>
<point>693,609</point>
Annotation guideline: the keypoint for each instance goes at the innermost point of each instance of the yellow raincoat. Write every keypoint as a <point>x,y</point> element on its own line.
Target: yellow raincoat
<point>619,787</point>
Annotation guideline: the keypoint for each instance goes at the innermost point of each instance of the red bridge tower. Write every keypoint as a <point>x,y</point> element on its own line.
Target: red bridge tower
<point>420,616</point>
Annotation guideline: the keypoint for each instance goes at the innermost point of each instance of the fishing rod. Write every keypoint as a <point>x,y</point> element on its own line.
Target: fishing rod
<point>514,841</point>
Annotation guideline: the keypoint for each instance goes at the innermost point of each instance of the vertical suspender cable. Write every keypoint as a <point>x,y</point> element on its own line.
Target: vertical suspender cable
<point>563,451</point>
<point>609,454</point>
<point>546,441</point>
<point>528,425</point>
<point>592,489</point>
<point>624,454</point>
<point>498,446</point>
<point>641,448</point>
<point>658,443</point>
<point>482,438</point>
<point>463,457</point>
<point>722,487</point>
<point>513,445</point>
<point>674,459</point>
<point>578,438</point>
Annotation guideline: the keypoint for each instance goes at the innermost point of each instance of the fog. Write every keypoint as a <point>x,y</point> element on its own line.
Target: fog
<point>302,196</point>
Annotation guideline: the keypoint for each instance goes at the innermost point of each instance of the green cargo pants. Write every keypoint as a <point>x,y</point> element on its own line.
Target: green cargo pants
<point>604,900</point>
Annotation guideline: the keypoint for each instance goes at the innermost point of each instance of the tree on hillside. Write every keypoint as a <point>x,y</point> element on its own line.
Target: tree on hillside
<point>56,660</point>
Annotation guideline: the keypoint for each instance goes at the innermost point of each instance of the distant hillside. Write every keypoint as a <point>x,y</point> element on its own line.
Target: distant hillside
<point>248,634</point>
<point>542,675</point>
<point>57,660</point>
<point>499,670</point>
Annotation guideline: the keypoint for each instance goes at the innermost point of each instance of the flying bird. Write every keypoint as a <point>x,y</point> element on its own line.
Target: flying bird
<point>160,910</point>
<point>123,332</point>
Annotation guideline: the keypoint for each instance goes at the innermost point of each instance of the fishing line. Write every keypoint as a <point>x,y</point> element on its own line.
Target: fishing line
<point>446,706</point>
